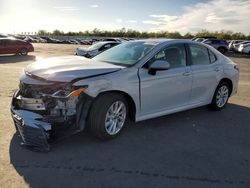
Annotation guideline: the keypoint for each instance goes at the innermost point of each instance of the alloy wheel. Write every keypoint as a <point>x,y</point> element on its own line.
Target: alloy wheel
<point>222,96</point>
<point>115,117</point>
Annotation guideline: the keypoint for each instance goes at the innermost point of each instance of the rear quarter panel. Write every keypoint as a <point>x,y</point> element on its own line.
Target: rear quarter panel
<point>231,73</point>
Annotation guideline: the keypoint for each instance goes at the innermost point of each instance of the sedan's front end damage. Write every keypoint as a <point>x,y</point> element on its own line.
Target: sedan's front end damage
<point>45,113</point>
<point>54,98</point>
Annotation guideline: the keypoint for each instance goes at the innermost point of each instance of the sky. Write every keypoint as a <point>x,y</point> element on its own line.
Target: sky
<point>18,16</point>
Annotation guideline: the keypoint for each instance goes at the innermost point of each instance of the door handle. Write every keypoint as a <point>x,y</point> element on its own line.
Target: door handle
<point>188,73</point>
<point>217,69</point>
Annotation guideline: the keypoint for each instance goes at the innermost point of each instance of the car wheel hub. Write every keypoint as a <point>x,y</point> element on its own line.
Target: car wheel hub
<point>222,96</point>
<point>115,117</point>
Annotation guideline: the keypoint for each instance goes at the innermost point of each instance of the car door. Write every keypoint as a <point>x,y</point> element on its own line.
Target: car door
<point>11,46</point>
<point>14,46</point>
<point>3,48</point>
<point>167,89</point>
<point>206,73</point>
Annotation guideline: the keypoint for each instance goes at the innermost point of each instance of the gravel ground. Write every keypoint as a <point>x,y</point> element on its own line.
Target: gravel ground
<point>195,148</point>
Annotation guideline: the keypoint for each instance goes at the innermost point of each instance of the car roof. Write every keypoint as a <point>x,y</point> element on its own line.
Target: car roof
<point>212,39</point>
<point>6,38</point>
<point>163,42</point>
<point>112,41</point>
<point>159,40</point>
<point>108,42</point>
<point>11,38</point>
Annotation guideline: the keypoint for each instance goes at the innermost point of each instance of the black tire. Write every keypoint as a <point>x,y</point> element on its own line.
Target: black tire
<point>222,50</point>
<point>98,111</point>
<point>214,104</point>
<point>23,52</point>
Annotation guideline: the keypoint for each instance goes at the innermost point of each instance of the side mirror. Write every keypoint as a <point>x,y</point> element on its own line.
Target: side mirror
<point>158,65</point>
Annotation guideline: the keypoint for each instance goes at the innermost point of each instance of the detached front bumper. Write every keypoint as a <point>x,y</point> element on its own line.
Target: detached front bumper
<point>34,132</point>
<point>38,130</point>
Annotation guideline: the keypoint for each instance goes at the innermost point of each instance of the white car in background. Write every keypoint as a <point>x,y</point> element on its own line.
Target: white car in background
<point>243,48</point>
<point>237,46</point>
<point>199,39</point>
<point>96,49</point>
<point>232,43</point>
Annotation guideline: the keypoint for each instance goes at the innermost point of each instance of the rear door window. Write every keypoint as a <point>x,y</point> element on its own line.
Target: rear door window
<point>10,42</point>
<point>199,55</point>
<point>212,56</point>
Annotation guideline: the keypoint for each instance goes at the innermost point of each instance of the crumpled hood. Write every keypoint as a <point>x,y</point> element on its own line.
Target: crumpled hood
<point>68,68</point>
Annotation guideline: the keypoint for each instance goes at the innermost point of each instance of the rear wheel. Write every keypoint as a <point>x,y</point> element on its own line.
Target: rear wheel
<point>221,96</point>
<point>108,115</point>
<point>24,52</point>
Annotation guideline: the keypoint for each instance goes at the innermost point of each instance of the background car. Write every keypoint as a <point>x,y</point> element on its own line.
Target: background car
<point>246,49</point>
<point>203,37</point>
<point>95,49</point>
<point>39,39</point>
<point>15,46</point>
<point>51,40</point>
<point>231,44</point>
<point>219,44</point>
<point>31,39</point>
<point>237,46</point>
<point>3,36</point>
<point>112,39</point>
<point>199,39</point>
<point>242,46</point>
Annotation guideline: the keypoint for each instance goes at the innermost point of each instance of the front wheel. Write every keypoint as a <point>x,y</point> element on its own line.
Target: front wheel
<point>108,115</point>
<point>221,96</point>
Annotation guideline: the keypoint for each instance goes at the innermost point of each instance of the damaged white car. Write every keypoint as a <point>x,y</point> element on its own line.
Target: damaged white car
<point>135,80</point>
<point>96,49</point>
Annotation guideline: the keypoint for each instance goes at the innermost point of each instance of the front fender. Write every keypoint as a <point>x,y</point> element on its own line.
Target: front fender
<point>126,82</point>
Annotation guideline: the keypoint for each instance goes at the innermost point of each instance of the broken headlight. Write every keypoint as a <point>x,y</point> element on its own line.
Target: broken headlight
<point>69,91</point>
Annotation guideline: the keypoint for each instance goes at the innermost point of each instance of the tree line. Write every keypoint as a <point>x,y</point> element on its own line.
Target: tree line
<point>228,35</point>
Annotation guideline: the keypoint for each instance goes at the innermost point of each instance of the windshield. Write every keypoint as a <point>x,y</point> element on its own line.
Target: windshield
<point>127,53</point>
<point>96,46</point>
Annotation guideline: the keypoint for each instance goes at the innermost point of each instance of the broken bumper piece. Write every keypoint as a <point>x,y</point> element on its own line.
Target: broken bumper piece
<point>34,133</point>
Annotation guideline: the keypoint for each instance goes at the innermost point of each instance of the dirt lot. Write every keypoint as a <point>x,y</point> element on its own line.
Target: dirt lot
<point>195,148</point>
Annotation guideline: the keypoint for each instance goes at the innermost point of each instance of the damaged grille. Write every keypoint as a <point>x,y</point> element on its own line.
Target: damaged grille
<point>35,91</point>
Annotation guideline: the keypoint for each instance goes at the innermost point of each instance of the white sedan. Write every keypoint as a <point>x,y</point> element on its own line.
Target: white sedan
<point>96,49</point>
<point>135,80</point>
<point>245,48</point>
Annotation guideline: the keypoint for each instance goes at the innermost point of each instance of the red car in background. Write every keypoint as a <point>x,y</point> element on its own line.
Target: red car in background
<point>15,46</point>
